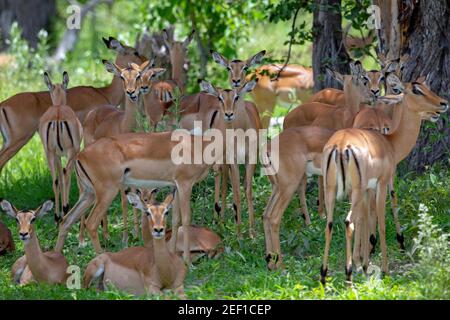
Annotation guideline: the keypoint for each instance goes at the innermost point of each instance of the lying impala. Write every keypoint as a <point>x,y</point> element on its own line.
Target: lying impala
<point>293,83</point>
<point>35,265</point>
<point>160,99</point>
<point>140,160</point>
<point>142,270</point>
<point>6,240</point>
<point>202,240</point>
<point>61,133</point>
<point>361,160</point>
<point>20,114</point>
<point>107,121</point>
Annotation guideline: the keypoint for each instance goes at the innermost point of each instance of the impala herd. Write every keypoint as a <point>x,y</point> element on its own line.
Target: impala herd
<point>352,139</point>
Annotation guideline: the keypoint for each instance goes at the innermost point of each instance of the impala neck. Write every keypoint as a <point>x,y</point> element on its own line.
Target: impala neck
<point>178,74</point>
<point>33,250</point>
<point>352,96</point>
<point>129,119</point>
<point>163,260</point>
<point>113,91</point>
<point>406,124</point>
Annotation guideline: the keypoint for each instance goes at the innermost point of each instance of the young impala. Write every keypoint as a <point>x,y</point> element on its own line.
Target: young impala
<point>61,133</point>
<point>35,265</point>
<point>364,160</point>
<point>20,114</point>
<point>142,270</point>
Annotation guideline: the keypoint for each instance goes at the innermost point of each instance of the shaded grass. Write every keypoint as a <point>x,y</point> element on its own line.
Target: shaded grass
<point>240,273</point>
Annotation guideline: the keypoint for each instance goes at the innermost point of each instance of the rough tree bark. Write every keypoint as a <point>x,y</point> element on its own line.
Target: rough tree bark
<point>328,47</point>
<point>424,35</point>
<point>32,16</point>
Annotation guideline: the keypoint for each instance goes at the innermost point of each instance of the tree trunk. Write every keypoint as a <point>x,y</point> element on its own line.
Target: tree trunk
<point>425,36</point>
<point>32,16</point>
<point>328,47</point>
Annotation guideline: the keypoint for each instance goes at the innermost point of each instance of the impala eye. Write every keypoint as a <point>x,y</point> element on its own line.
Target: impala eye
<point>33,219</point>
<point>166,212</point>
<point>236,98</point>
<point>245,68</point>
<point>136,54</point>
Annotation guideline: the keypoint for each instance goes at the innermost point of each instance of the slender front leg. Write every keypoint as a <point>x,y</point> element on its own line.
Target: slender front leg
<point>184,192</point>
<point>266,222</point>
<point>224,190</point>
<point>236,197</point>
<point>303,204</point>
<point>395,209</point>
<point>176,214</point>
<point>321,199</point>
<point>330,192</point>
<point>249,172</point>
<point>381,203</point>
<point>124,217</point>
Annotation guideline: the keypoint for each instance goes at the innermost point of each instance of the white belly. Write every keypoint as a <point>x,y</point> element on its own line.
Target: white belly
<point>372,184</point>
<point>312,170</point>
<point>128,181</point>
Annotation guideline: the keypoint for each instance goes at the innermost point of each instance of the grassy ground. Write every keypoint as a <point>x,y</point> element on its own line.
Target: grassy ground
<point>240,273</point>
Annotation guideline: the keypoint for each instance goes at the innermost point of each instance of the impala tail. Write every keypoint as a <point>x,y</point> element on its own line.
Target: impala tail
<point>95,270</point>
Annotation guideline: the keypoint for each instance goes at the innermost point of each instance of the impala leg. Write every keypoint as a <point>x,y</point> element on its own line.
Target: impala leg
<point>185,192</point>
<point>176,215</point>
<point>355,213</point>
<point>51,161</point>
<point>372,221</point>
<point>368,217</point>
<point>321,199</point>
<point>266,222</point>
<point>13,146</point>
<point>249,172</point>
<point>67,179</point>
<point>381,208</point>
<point>217,174</point>
<point>86,198</point>
<point>330,192</point>
<point>136,218</point>
<point>235,184</point>
<point>280,205</point>
<point>124,217</point>
<point>303,204</point>
<point>395,209</point>
<point>103,201</point>
<point>61,184</point>
<point>224,190</point>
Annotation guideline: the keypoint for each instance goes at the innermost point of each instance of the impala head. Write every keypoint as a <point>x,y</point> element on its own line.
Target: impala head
<point>177,49</point>
<point>156,211</point>
<point>26,218</point>
<point>393,84</point>
<point>57,91</point>
<point>125,54</point>
<point>237,69</point>
<point>131,77</point>
<point>147,77</point>
<point>419,98</point>
<point>228,98</point>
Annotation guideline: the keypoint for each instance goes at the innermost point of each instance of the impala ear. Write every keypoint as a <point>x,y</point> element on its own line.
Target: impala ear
<point>169,199</point>
<point>208,88</point>
<point>136,201</point>
<point>391,99</point>
<point>45,208</point>
<point>188,39</point>
<point>256,59</point>
<point>248,86</point>
<point>65,82</point>
<point>335,75</point>
<point>219,59</point>
<point>112,68</point>
<point>48,81</point>
<point>115,45</point>
<point>422,79</point>
<point>9,209</point>
<point>158,71</point>
<point>356,68</point>
<point>165,37</point>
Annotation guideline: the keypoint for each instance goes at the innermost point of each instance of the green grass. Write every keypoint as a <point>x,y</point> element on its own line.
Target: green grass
<point>240,273</point>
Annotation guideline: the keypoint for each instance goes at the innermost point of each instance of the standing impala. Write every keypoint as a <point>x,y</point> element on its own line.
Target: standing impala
<point>142,270</point>
<point>106,121</point>
<point>160,99</point>
<point>61,133</point>
<point>140,160</point>
<point>35,265</point>
<point>292,84</point>
<point>364,160</point>
<point>237,116</point>
<point>20,114</point>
